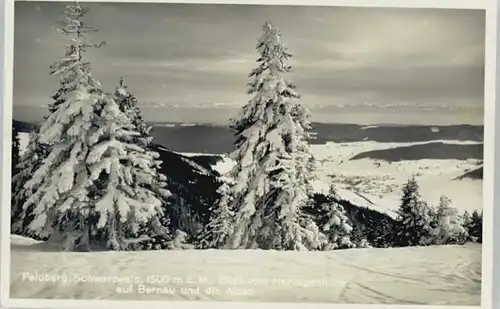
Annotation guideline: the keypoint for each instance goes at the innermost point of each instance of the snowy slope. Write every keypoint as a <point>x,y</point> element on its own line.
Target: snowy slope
<point>446,275</point>
<point>377,184</point>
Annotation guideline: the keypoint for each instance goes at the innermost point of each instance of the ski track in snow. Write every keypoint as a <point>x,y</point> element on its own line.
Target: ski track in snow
<point>438,275</point>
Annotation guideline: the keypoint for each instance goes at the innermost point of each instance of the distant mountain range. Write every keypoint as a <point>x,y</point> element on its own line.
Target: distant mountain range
<point>431,150</point>
<point>217,139</point>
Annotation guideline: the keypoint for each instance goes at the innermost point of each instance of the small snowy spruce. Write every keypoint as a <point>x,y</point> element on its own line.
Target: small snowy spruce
<point>273,158</point>
<point>381,233</point>
<point>414,220</point>
<point>449,229</point>
<point>179,242</point>
<point>465,220</point>
<point>30,161</point>
<point>219,227</point>
<point>476,227</point>
<point>335,225</point>
<point>358,238</point>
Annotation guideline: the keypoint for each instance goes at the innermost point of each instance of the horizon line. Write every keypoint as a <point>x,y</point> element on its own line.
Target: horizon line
<point>217,124</point>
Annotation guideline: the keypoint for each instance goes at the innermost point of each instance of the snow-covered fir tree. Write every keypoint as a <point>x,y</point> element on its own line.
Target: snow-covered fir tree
<point>414,220</point>
<point>381,233</point>
<point>215,233</point>
<point>129,105</point>
<point>75,29</point>
<point>180,241</point>
<point>30,161</point>
<point>179,207</point>
<point>100,182</point>
<point>467,222</point>
<point>335,225</point>
<point>449,229</point>
<point>357,237</point>
<point>273,158</point>
<point>465,219</point>
<point>95,180</point>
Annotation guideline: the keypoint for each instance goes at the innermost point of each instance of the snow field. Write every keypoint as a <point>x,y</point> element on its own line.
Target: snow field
<point>381,184</point>
<point>438,275</point>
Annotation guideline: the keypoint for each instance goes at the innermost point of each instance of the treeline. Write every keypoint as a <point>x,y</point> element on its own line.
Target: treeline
<point>417,223</point>
<point>423,224</point>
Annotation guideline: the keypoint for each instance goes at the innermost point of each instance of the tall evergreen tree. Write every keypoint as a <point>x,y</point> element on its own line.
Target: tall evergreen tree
<point>94,180</point>
<point>414,223</point>
<point>75,29</point>
<point>181,209</point>
<point>128,104</point>
<point>274,159</point>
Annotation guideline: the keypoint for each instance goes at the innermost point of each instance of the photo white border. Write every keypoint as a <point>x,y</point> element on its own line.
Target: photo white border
<point>487,297</point>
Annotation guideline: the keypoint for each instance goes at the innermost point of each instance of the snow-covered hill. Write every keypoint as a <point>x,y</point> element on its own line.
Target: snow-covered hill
<point>377,184</point>
<point>438,275</point>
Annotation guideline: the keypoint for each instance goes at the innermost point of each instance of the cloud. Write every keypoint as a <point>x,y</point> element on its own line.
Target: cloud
<point>236,64</point>
<point>199,56</point>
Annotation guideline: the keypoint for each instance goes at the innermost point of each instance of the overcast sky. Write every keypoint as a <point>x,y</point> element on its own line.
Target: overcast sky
<point>190,62</point>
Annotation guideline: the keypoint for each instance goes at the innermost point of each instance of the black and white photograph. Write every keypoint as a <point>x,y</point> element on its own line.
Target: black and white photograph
<point>256,153</point>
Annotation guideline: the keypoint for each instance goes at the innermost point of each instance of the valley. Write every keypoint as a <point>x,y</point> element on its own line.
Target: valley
<point>365,172</point>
